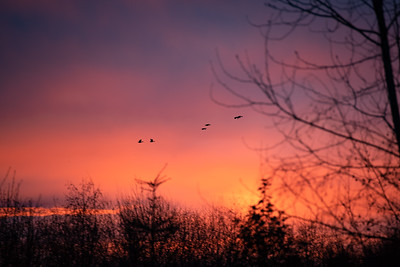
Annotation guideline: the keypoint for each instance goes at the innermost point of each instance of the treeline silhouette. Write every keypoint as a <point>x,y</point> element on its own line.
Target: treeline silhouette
<point>147,230</point>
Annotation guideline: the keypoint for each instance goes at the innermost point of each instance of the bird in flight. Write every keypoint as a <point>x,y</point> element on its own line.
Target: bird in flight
<point>203,129</point>
<point>238,117</point>
<point>207,124</point>
<point>152,140</point>
<point>140,141</point>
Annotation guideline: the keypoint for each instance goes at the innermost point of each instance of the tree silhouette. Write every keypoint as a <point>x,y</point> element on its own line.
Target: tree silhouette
<point>17,233</point>
<point>338,118</point>
<point>80,236</point>
<point>148,222</point>
<point>266,237</point>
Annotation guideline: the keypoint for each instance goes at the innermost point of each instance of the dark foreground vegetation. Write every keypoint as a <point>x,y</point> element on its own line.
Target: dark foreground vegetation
<point>147,230</point>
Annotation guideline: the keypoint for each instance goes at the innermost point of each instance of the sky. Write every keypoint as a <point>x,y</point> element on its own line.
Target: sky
<point>82,81</point>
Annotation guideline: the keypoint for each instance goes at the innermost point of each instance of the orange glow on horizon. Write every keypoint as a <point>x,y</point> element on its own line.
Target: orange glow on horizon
<point>81,89</point>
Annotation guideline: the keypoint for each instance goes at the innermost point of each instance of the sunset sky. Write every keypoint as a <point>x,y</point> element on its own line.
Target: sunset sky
<point>82,81</point>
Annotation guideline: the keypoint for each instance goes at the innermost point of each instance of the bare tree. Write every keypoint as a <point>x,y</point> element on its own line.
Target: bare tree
<point>340,117</point>
<point>18,235</point>
<point>81,234</point>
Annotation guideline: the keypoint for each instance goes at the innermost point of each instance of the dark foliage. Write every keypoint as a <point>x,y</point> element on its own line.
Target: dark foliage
<point>148,230</point>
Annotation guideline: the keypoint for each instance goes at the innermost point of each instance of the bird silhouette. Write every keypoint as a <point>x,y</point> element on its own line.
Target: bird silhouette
<point>238,117</point>
<point>203,129</point>
<point>151,140</point>
<point>207,124</point>
<point>140,141</point>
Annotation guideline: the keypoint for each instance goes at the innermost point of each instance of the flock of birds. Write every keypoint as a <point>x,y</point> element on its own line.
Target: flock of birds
<point>203,129</point>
